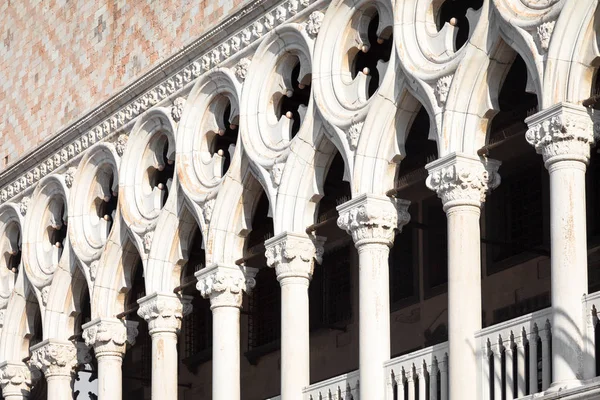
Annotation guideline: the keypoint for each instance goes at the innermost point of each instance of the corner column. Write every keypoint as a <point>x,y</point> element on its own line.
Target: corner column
<point>109,338</point>
<point>292,255</point>
<point>563,135</point>
<point>57,360</point>
<point>462,181</point>
<point>224,286</point>
<point>163,312</point>
<point>372,221</point>
<point>16,380</point>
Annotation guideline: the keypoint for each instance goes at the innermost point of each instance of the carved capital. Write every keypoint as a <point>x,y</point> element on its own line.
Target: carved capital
<point>16,378</point>
<point>225,284</point>
<point>293,255</point>
<point>373,218</point>
<point>164,311</point>
<point>562,132</point>
<point>460,179</point>
<point>58,358</point>
<point>110,336</point>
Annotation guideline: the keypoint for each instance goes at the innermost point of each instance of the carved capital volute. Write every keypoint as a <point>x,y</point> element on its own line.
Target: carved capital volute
<point>372,218</point>
<point>16,378</point>
<point>58,358</point>
<point>109,336</point>
<point>563,132</point>
<point>293,254</point>
<point>462,180</point>
<point>225,284</point>
<point>164,311</point>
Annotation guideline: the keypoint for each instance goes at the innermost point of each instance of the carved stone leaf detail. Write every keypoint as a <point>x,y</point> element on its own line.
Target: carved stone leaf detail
<point>294,255</point>
<point>241,69</point>
<point>313,25</point>
<point>177,108</point>
<point>121,144</point>
<point>353,134</point>
<point>544,34</point>
<point>442,88</point>
<point>24,205</point>
<point>224,286</point>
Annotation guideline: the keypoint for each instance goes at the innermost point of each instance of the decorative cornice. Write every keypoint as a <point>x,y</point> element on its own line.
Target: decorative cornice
<point>109,336</point>
<point>372,218</point>
<point>58,358</point>
<point>111,118</point>
<point>563,132</point>
<point>225,284</point>
<point>293,254</point>
<point>164,311</point>
<point>460,179</point>
<point>16,378</point>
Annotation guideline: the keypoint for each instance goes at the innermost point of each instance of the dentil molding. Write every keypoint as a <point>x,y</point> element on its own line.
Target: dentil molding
<point>224,284</point>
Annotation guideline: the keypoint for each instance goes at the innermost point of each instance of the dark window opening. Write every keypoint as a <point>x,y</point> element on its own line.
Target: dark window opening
<point>293,105</point>
<point>262,225</point>
<point>13,256</point>
<point>264,317</point>
<point>404,267</point>
<point>336,191</point>
<point>161,176</point>
<point>435,245</point>
<point>225,141</point>
<point>369,58</point>
<point>107,206</point>
<point>57,231</point>
<point>455,13</point>
<point>39,390</point>
<point>419,149</point>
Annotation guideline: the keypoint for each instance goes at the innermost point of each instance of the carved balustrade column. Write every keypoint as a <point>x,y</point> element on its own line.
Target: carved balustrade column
<point>57,360</point>
<point>16,379</point>
<point>109,338</point>
<point>163,312</point>
<point>372,221</point>
<point>293,255</point>
<point>224,285</point>
<point>563,135</point>
<point>462,181</point>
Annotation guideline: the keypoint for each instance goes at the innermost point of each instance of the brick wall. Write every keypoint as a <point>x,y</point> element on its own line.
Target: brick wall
<point>60,58</point>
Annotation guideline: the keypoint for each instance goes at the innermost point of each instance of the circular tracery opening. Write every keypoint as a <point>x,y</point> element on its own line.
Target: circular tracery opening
<point>455,12</point>
<point>105,203</point>
<point>56,228</point>
<point>294,102</point>
<point>224,141</point>
<point>11,248</point>
<point>160,174</point>
<point>372,58</point>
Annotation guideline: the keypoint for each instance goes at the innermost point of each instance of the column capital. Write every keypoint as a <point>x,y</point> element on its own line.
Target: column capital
<point>293,254</point>
<point>16,378</point>
<point>58,358</point>
<point>109,336</point>
<point>461,179</point>
<point>224,284</point>
<point>164,311</point>
<point>563,132</point>
<point>373,218</point>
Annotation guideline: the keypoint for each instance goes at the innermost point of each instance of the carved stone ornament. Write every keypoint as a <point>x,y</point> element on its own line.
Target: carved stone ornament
<point>45,292</point>
<point>373,219</point>
<point>15,378</point>
<point>544,34</point>
<point>121,144</point>
<point>70,176</point>
<point>24,205</point>
<point>224,285</point>
<point>207,208</point>
<point>442,88</point>
<point>93,269</point>
<point>293,255</point>
<point>459,179</point>
<point>313,25</point>
<point>277,173</point>
<point>177,108</point>
<point>110,336</point>
<point>241,69</point>
<point>54,357</point>
<point>353,134</point>
<point>563,131</point>
<point>164,311</point>
<point>148,241</point>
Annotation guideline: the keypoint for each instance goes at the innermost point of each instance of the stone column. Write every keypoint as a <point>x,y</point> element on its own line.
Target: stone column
<point>462,181</point>
<point>292,255</point>
<point>163,312</point>
<point>224,286</point>
<point>109,338</point>
<point>57,360</point>
<point>562,134</point>
<point>16,380</point>
<point>372,221</point>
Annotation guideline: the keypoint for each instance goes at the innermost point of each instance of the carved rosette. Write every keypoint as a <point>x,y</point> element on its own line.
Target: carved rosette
<point>562,132</point>
<point>110,336</point>
<point>57,358</point>
<point>164,311</point>
<point>224,284</point>
<point>372,218</point>
<point>16,378</point>
<point>294,255</point>
<point>459,179</point>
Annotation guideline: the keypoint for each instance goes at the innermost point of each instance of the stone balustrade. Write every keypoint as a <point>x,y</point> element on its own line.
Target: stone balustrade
<point>342,387</point>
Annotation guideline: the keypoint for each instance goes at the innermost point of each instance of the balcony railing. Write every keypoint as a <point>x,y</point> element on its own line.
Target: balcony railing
<point>342,387</point>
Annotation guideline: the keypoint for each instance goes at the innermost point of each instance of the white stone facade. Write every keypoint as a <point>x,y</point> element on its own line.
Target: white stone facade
<point>264,106</point>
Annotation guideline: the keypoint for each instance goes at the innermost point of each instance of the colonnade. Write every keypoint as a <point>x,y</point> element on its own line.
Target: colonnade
<point>562,134</point>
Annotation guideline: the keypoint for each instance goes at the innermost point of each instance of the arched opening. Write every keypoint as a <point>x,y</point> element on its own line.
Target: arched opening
<point>106,206</point>
<point>85,384</point>
<point>593,211</point>
<point>35,336</point>
<point>56,232</point>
